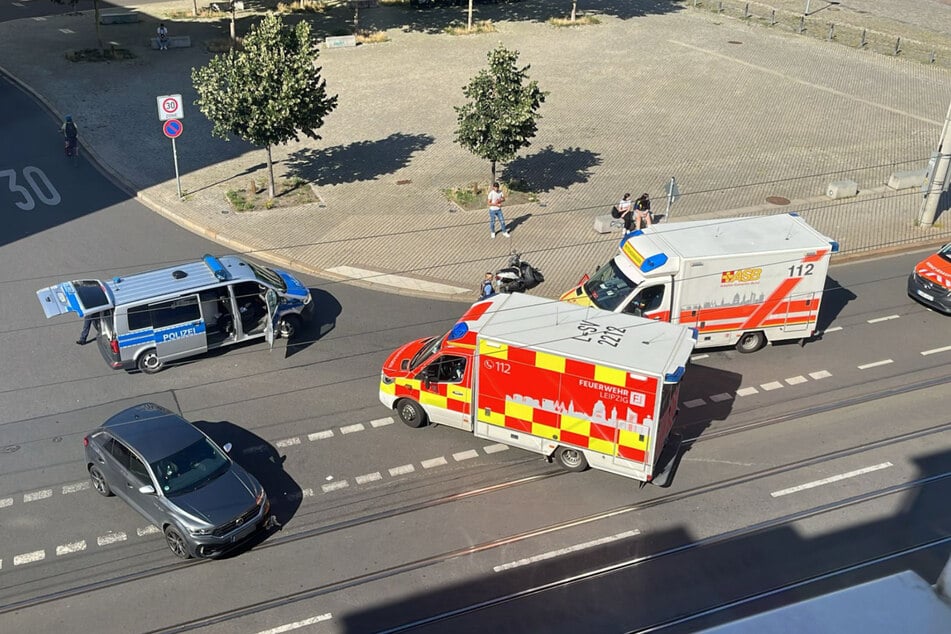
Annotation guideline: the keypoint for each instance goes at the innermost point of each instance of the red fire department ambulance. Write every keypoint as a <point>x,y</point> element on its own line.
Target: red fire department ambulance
<point>930,282</point>
<point>739,281</point>
<point>585,386</point>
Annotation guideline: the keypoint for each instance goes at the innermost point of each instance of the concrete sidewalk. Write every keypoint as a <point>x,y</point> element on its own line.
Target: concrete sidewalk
<point>738,113</point>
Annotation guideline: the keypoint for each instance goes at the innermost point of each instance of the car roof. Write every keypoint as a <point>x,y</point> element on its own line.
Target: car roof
<point>153,431</point>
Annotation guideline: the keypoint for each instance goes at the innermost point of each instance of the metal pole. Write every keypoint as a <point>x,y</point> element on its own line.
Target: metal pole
<point>807,8</point>
<point>929,207</point>
<point>178,182</point>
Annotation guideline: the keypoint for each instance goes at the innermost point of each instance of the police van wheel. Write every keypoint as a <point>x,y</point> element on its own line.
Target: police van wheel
<point>411,413</point>
<point>571,459</point>
<point>149,362</point>
<point>290,326</point>
<point>751,342</point>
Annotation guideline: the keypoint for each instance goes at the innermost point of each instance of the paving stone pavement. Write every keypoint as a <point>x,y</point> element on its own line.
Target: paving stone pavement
<point>735,111</point>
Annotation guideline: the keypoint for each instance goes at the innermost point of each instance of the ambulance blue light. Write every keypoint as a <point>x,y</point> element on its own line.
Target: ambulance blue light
<point>794,214</point>
<point>653,262</point>
<point>695,333</point>
<point>216,267</point>
<point>835,245</point>
<point>675,376</point>
<point>458,331</point>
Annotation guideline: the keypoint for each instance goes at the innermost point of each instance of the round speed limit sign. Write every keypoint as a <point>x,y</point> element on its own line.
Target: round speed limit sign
<point>170,107</point>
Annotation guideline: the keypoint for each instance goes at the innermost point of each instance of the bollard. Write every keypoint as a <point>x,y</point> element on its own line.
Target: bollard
<point>772,18</point>
<point>898,45</point>
<point>802,24</point>
<point>746,10</point>
<point>831,32</point>
<point>862,42</point>
<point>720,7</point>
<point>932,56</point>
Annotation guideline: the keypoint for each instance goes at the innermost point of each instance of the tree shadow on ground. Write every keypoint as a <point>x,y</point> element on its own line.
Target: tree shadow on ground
<point>549,168</point>
<point>358,161</point>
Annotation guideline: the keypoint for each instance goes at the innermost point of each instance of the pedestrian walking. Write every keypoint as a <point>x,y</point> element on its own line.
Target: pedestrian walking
<point>496,198</point>
<point>70,134</point>
<point>487,289</point>
<point>625,210</point>
<point>162,37</point>
<point>642,210</point>
<point>87,322</point>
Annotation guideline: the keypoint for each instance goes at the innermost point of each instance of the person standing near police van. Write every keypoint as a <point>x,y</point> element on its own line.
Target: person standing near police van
<point>70,134</point>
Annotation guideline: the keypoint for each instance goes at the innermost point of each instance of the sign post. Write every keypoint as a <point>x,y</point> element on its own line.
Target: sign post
<point>172,129</point>
<point>673,193</point>
<point>170,111</point>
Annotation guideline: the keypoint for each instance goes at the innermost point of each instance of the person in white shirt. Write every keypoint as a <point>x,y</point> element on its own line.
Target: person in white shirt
<point>496,198</point>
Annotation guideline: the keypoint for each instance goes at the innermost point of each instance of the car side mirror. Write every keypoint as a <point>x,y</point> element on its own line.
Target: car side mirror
<point>404,364</point>
<point>227,447</point>
<point>148,489</point>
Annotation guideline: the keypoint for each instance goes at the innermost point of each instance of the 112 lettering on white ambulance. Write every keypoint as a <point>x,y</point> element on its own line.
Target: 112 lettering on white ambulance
<point>740,282</point>
<point>580,385</point>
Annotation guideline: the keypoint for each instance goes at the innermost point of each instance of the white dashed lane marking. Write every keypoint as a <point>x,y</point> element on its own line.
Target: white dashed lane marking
<point>349,429</point>
<point>772,385</point>
<point>697,402</point>
<point>564,551</point>
<point>833,329</point>
<point>719,398</point>
<point>76,486</point>
<point>835,478</point>
<point>747,391</point>
<point>148,530</point>
<point>6,502</point>
<point>37,495</point>
<point>287,442</point>
<point>874,364</point>
<point>288,627</point>
<point>433,462</point>
<point>29,558</point>
<point>111,538</point>
<point>796,380</point>
<point>496,448</point>
<point>333,486</point>
<point>369,477</point>
<point>881,319</point>
<point>925,353</point>
<point>320,435</point>
<point>402,470</point>
<point>465,455</point>
<point>74,547</point>
<point>381,422</point>
<point>821,374</point>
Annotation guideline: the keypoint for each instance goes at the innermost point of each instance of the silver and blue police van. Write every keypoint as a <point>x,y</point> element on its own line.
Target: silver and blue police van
<point>148,319</point>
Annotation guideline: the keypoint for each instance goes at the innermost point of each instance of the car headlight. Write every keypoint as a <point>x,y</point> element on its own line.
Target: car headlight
<point>201,531</point>
<point>385,379</point>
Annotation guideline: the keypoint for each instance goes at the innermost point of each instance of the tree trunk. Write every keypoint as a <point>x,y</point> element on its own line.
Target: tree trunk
<point>356,18</point>
<point>95,6</point>
<point>574,9</point>
<point>195,8</point>
<point>234,37</point>
<point>270,174</point>
<point>493,172</point>
<point>469,27</point>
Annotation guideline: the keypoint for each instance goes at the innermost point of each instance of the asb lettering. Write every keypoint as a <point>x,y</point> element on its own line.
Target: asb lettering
<point>740,276</point>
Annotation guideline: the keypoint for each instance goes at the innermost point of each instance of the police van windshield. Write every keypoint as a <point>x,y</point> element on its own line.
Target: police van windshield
<point>268,276</point>
<point>609,287</point>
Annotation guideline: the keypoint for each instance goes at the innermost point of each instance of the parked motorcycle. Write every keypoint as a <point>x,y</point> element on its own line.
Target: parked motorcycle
<point>518,276</point>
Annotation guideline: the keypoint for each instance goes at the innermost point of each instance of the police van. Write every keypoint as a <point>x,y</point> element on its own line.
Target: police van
<point>149,319</point>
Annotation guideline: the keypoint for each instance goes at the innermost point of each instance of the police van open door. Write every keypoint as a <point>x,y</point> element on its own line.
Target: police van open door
<point>83,297</point>
<point>270,299</point>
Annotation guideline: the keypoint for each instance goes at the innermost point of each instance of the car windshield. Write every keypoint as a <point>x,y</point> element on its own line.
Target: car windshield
<point>429,348</point>
<point>268,276</point>
<point>190,468</point>
<point>945,252</point>
<point>608,287</point>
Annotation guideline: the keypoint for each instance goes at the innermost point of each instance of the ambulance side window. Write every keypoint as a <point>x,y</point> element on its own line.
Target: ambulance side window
<point>446,369</point>
<point>648,299</point>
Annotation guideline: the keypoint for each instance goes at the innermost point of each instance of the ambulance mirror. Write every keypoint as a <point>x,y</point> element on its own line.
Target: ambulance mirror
<point>404,364</point>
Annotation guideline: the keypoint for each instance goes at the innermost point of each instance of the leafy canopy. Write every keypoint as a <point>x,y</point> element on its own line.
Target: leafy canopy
<point>501,115</point>
<point>270,90</point>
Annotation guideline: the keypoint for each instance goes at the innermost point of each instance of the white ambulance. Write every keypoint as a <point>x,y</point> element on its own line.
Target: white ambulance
<point>738,281</point>
<point>582,385</point>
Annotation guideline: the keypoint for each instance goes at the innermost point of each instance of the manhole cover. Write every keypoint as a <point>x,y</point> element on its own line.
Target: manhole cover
<point>777,200</point>
<point>733,42</point>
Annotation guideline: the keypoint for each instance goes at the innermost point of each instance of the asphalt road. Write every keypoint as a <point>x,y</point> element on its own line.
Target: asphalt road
<point>386,527</point>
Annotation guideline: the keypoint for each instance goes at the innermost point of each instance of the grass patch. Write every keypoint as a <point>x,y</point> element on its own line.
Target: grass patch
<point>458,28</point>
<point>580,20</point>
<point>99,55</point>
<point>181,14</point>
<point>372,37</point>
<point>303,6</point>
<point>473,196</point>
<point>288,192</point>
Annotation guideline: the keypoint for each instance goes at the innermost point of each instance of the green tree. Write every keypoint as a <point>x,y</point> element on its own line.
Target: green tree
<point>502,113</point>
<point>268,91</point>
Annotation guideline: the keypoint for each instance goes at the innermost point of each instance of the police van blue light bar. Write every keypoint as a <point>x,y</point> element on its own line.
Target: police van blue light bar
<point>213,263</point>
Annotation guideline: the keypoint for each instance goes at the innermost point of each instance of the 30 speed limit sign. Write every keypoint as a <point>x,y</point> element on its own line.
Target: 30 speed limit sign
<point>170,107</point>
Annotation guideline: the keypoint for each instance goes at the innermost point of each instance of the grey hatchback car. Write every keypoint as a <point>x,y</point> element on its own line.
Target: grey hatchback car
<point>177,478</point>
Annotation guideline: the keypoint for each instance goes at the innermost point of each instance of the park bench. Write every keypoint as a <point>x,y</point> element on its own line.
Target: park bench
<point>118,16</point>
<point>174,41</point>
<point>340,41</point>
<point>225,7</point>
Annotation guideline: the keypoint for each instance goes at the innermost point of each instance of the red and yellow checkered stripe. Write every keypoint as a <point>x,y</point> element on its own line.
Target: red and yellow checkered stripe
<point>560,427</point>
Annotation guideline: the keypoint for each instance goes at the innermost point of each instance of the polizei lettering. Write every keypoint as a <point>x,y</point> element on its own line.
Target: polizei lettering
<point>181,334</point>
